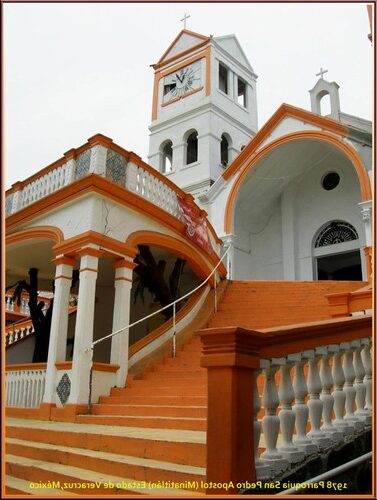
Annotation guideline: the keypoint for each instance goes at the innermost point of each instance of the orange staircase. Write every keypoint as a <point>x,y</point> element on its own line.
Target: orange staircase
<point>155,429</point>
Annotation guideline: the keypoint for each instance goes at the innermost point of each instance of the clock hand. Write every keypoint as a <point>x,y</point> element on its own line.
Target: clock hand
<point>179,78</point>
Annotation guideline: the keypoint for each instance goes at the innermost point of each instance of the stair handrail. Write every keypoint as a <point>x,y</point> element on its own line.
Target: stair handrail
<point>172,304</point>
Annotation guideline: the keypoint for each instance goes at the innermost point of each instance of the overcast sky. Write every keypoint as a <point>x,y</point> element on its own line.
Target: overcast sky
<point>73,70</point>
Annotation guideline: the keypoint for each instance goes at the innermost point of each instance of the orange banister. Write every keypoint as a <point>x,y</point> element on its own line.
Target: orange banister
<point>232,355</point>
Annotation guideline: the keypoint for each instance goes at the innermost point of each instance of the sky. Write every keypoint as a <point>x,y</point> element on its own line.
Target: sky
<point>72,70</point>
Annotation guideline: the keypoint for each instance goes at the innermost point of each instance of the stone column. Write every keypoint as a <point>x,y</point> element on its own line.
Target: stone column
<point>82,353</point>
<point>59,323</point>
<point>121,317</point>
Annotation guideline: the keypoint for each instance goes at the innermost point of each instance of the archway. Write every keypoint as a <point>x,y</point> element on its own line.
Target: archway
<point>280,199</point>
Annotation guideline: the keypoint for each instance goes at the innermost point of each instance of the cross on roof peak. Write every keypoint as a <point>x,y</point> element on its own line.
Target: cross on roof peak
<point>185,17</point>
<point>322,72</point>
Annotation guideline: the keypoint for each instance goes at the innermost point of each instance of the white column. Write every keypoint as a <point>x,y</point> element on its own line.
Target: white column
<point>366,212</point>
<point>270,421</point>
<point>288,233</point>
<point>179,156</point>
<point>359,384</point>
<point>300,408</point>
<point>287,416</point>
<point>315,404</point>
<point>367,362</point>
<point>59,324</point>
<point>338,393</point>
<point>326,396</point>
<point>262,470</point>
<point>82,352</point>
<point>121,318</point>
<point>349,389</point>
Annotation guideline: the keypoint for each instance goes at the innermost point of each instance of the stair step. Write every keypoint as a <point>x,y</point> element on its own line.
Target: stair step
<point>151,410</point>
<point>156,444</point>
<point>136,468</point>
<point>163,391</point>
<point>76,477</point>
<point>159,382</point>
<point>155,400</point>
<point>154,422</point>
<point>175,375</point>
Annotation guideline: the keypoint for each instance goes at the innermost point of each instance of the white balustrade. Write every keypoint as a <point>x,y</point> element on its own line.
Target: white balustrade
<point>9,304</point>
<point>367,362</point>
<point>359,384</point>
<point>25,388</point>
<point>271,421</point>
<point>349,389</point>
<point>338,393</point>
<point>262,470</point>
<point>286,415</point>
<point>326,395</point>
<point>315,404</point>
<point>44,185</point>
<point>300,408</point>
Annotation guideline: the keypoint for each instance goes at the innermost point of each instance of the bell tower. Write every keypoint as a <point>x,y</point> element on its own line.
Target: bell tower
<point>204,109</point>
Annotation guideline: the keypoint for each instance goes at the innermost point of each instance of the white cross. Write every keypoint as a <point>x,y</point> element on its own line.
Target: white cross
<point>322,72</point>
<point>184,20</point>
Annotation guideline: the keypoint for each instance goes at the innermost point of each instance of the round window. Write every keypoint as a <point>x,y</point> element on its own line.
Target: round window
<point>330,181</point>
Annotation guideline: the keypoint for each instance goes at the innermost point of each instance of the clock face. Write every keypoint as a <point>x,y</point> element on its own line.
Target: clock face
<point>182,81</point>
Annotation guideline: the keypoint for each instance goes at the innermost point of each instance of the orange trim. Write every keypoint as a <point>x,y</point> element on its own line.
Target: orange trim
<point>251,161</point>
<point>193,256</point>
<point>61,276</point>
<point>368,252</point>
<point>180,54</point>
<point>92,252</point>
<point>123,279</point>
<point>88,269</point>
<point>98,367</point>
<point>181,96</point>
<point>63,365</point>
<point>74,245</point>
<point>124,263</point>
<point>26,366</point>
<point>157,77</point>
<point>40,232</point>
<point>285,110</point>
<point>95,184</point>
<point>64,260</point>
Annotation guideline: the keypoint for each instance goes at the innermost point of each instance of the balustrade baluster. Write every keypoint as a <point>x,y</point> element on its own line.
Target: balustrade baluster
<point>300,407</point>
<point>338,393</point>
<point>262,470</point>
<point>271,421</point>
<point>359,384</point>
<point>315,404</point>
<point>286,415</point>
<point>349,389</point>
<point>326,396</point>
<point>367,362</point>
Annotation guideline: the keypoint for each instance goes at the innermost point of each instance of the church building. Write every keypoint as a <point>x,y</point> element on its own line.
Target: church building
<point>216,297</point>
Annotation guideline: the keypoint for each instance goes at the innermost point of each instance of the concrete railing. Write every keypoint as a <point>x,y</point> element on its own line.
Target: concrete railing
<point>102,157</point>
<point>24,385</point>
<point>319,375</point>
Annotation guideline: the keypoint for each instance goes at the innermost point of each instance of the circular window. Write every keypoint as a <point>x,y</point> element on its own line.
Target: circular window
<point>330,181</point>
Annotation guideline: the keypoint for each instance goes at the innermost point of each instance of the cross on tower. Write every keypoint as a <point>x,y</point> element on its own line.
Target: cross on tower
<point>322,72</point>
<point>185,17</point>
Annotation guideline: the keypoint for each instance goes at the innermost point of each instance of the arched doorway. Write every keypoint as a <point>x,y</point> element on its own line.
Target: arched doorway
<point>336,252</point>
